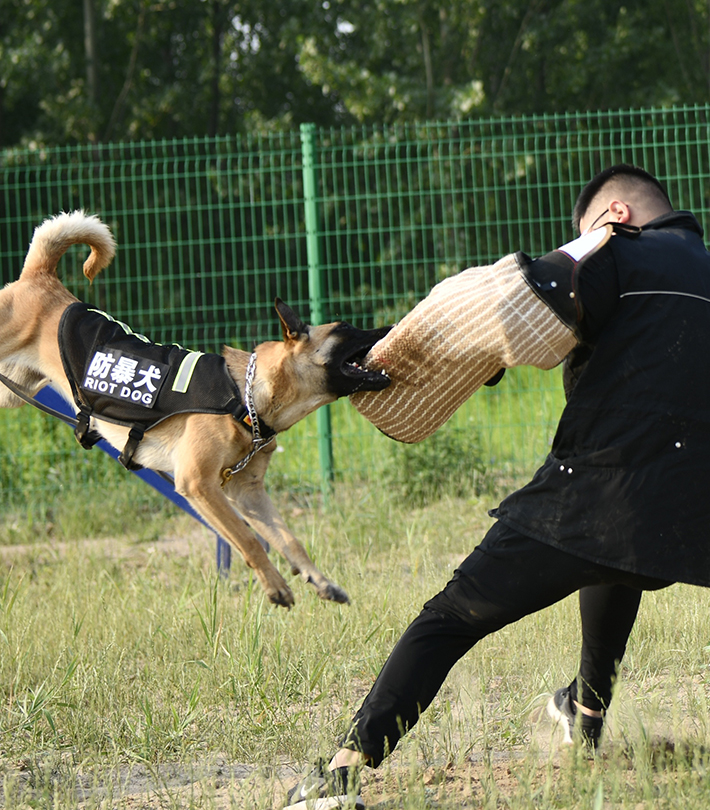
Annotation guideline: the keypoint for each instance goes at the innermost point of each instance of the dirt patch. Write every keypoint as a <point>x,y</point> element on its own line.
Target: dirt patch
<point>223,786</point>
<point>186,539</point>
<point>135,786</point>
<point>491,778</point>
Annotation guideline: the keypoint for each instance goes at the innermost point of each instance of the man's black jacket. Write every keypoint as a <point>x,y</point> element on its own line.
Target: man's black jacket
<point>627,483</point>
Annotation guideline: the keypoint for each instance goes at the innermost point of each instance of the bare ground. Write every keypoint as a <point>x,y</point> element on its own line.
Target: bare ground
<point>222,785</point>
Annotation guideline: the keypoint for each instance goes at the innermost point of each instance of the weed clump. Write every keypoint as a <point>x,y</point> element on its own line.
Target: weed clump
<point>448,463</point>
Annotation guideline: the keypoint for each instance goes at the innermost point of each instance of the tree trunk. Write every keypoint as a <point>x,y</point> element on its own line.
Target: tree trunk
<point>92,81</point>
<point>218,17</point>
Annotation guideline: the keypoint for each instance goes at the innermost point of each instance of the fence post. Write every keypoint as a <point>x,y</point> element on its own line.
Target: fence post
<point>315,290</point>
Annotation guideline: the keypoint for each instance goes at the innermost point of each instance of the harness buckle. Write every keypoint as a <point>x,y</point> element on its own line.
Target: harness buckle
<point>87,438</point>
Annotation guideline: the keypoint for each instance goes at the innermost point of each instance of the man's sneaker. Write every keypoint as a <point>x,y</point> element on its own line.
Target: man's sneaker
<point>562,710</point>
<point>322,789</point>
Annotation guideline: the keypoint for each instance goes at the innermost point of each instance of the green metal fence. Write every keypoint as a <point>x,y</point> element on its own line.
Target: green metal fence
<point>353,223</point>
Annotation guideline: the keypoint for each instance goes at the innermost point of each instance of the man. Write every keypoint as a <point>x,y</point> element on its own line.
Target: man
<point>620,505</point>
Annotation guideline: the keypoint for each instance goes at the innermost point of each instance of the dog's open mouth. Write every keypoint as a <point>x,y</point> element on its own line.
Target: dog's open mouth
<point>354,368</point>
<point>349,368</point>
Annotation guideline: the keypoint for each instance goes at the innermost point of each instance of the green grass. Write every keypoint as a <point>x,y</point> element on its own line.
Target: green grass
<point>126,655</point>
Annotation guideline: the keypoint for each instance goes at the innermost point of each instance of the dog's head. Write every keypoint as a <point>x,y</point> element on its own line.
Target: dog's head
<point>312,366</point>
<point>336,350</point>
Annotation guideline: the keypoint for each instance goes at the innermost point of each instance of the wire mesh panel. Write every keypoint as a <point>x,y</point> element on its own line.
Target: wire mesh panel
<point>406,206</point>
<point>209,231</point>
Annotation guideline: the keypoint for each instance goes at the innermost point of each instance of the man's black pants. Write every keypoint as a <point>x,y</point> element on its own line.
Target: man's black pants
<point>507,576</point>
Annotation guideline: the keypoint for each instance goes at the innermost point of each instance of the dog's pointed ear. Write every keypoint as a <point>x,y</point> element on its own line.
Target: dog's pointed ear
<point>291,325</point>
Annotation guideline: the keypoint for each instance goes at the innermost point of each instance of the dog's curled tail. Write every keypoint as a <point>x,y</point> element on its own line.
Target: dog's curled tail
<point>54,236</point>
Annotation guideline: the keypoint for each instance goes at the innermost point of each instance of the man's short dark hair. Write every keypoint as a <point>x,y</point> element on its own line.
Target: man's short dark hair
<point>622,170</point>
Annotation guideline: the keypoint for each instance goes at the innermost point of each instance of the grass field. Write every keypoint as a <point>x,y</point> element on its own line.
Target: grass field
<point>132,676</point>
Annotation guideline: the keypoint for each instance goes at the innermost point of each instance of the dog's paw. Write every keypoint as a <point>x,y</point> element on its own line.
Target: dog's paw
<point>282,596</point>
<point>325,588</point>
<point>334,593</point>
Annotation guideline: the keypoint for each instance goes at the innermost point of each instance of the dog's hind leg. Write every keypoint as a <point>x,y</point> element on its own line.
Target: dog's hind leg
<point>246,490</point>
<point>30,381</point>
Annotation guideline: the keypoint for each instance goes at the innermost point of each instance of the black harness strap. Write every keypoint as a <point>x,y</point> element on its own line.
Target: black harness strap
<point>87,438</point>
<point>86,334</point>
<point>118,376</point>
<point>135,436</point>
<point>69,420</point>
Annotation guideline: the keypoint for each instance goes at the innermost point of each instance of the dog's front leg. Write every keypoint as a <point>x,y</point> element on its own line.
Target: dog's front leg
<point>205,495</point>
<point>246,490</point>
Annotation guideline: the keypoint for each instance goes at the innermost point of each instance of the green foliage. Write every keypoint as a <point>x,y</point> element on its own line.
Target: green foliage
<point>116,70</point>
<point>448,463</point>
<point>130,69</point>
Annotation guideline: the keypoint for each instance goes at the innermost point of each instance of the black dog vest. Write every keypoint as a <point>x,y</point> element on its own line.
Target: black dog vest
<point>122,377</point>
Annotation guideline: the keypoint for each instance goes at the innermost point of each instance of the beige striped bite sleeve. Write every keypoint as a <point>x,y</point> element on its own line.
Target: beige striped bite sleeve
<point>469,327</point>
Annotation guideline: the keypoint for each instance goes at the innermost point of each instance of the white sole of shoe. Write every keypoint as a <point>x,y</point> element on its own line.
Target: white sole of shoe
<point>329,803</point>
<point>561,720</point>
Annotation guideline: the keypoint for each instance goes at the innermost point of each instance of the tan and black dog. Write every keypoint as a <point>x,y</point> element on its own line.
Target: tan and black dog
<point>311,367</point>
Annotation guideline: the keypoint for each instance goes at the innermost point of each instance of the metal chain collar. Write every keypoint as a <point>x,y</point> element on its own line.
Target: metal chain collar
<point>257,441</point>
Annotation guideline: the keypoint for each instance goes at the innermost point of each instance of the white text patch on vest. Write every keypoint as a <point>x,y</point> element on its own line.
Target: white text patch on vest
<point>125,377</point>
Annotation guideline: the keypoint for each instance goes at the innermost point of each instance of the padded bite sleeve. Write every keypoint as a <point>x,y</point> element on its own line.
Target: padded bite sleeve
<point>460,336</point>
<point>515,312</point>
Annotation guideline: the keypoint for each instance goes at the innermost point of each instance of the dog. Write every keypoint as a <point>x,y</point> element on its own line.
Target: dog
<point>211,457</point>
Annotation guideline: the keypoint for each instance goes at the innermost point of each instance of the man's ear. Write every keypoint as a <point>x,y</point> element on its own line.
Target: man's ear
<point>291,325</point>
<point>620,211</point>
